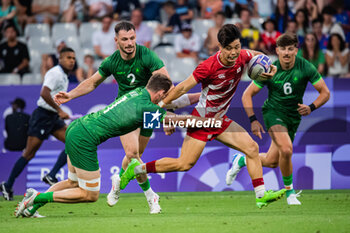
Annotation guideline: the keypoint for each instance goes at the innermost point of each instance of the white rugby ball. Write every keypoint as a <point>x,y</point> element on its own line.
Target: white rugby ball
<point>258,65</point>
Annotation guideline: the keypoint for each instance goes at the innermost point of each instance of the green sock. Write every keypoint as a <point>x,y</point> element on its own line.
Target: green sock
<point>288,184</point>
<point>35,207</point>
<point>44,198</point>
<point>145,185</point>
<point>241,161</point>
<point>121,172</point>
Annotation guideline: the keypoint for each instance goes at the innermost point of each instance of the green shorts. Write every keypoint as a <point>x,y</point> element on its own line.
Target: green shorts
<point>80,147</point>
<point>272,117</point>
<point>146,132</point>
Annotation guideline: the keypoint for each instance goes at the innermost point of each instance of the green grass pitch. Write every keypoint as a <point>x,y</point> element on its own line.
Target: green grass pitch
<point>320,212</point>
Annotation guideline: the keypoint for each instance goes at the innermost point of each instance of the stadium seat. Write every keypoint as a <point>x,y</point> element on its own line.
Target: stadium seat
<point>73,42</point>
<point>152,24</point>
<point>85,33</point>
<point>184,65</point>
<point>169,38</point>
<point>177,76</point>
<point>64,30</point>
<point>10,79</point>
<point>32,79</point>
<point>166,54</point>
<point>79,54</point>
<point>201,27</point>
<point>155,40</point>
<point>42,44</point>
<point>257,23</point>
<point>35,61</point>
<point>232,21</point>
<point>37,30</point>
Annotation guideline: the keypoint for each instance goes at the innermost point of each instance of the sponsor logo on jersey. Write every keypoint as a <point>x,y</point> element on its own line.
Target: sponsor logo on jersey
<point>151,120</point>
<point>221,76</point>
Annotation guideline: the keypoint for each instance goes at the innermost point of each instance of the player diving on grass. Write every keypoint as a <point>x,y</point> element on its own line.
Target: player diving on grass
<point>83,135</point>
<point>132,66</point>
<point>219,76</point>
<point>282,110</point>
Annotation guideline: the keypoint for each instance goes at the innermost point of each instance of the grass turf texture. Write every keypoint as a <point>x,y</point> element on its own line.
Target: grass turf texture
<point>321,211</point>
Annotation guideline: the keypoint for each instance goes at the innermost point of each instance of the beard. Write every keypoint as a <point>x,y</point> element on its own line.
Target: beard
<point>124,50</point>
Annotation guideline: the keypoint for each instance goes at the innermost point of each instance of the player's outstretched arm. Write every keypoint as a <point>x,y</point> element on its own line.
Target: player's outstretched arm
<point>247,101</point>
<point>179,90</point>
<point>322,98</point>
<point>83,88</point>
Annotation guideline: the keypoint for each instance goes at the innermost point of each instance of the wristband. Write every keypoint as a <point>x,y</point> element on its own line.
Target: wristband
<point>252,118</point>
<point>312,107</point>
<point>161,104</point>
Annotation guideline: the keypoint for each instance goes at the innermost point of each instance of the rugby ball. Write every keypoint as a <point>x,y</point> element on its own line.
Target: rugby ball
<point>258,65</point>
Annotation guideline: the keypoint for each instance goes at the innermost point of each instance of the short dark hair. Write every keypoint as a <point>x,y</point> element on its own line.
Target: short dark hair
<point>66,49</point>
<point>328,10</point>
<point>169,4</point>
<point>159,82</point>
<point>124,25</point>
<point>342,42</point>
<point>19,102</point>
<point>245,9</point>
<point>318,20</point>
<point>227,34</point>
<point>287,39</point>
<point>220,13</point>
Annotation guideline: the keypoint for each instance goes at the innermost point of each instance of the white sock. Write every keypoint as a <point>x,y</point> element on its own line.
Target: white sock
<point>140,169</point>
<point>149,193</point>
<point>259,191</point>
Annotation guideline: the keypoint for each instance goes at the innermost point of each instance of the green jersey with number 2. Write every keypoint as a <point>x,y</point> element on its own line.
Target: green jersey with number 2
<point>132,73</point>
<point>287,87</point>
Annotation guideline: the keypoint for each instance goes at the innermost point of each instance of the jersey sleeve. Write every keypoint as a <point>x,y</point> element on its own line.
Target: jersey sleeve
<point>104,69</point>
<point>50,80</point>
<point>259,84</point>
<point>152,61</point>
<point>201,72</point>
<point>313,74</point>
<point>246,56</point>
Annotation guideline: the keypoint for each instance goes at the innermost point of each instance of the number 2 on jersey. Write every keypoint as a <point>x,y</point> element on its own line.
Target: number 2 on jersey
<point>287,88</point>
<point>133,77</point>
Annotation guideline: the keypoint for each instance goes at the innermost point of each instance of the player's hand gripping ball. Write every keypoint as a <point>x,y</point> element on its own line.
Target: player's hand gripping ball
<point>258,65</point>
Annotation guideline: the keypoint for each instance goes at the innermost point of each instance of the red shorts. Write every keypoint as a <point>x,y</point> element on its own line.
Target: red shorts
<point>208,134</point>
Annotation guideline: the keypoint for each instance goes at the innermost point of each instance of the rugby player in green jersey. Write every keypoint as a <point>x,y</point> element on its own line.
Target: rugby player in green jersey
<point>132,66</point>
<point>282,111</point>
<point>83,135</point>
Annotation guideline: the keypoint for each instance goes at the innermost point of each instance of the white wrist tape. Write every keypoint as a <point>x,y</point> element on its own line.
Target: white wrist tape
<point>180,102</point>
<point>161,104</point>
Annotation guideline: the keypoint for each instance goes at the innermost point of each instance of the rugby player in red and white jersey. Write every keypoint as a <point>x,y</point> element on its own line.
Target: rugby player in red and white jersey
<point>219,76</point>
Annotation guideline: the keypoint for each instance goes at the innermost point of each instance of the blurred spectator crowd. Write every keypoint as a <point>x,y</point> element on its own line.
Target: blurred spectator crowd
<point>182,32</point>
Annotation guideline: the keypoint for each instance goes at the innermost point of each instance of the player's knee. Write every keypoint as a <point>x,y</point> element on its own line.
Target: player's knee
<point>132,154</point>
<point>252,149</point>
<point>73,183</point>
<point>287,151</point>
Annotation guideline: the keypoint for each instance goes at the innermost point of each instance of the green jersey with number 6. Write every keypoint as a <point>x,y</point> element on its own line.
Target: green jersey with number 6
<point>132,73</point>
<point>287,87</point>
